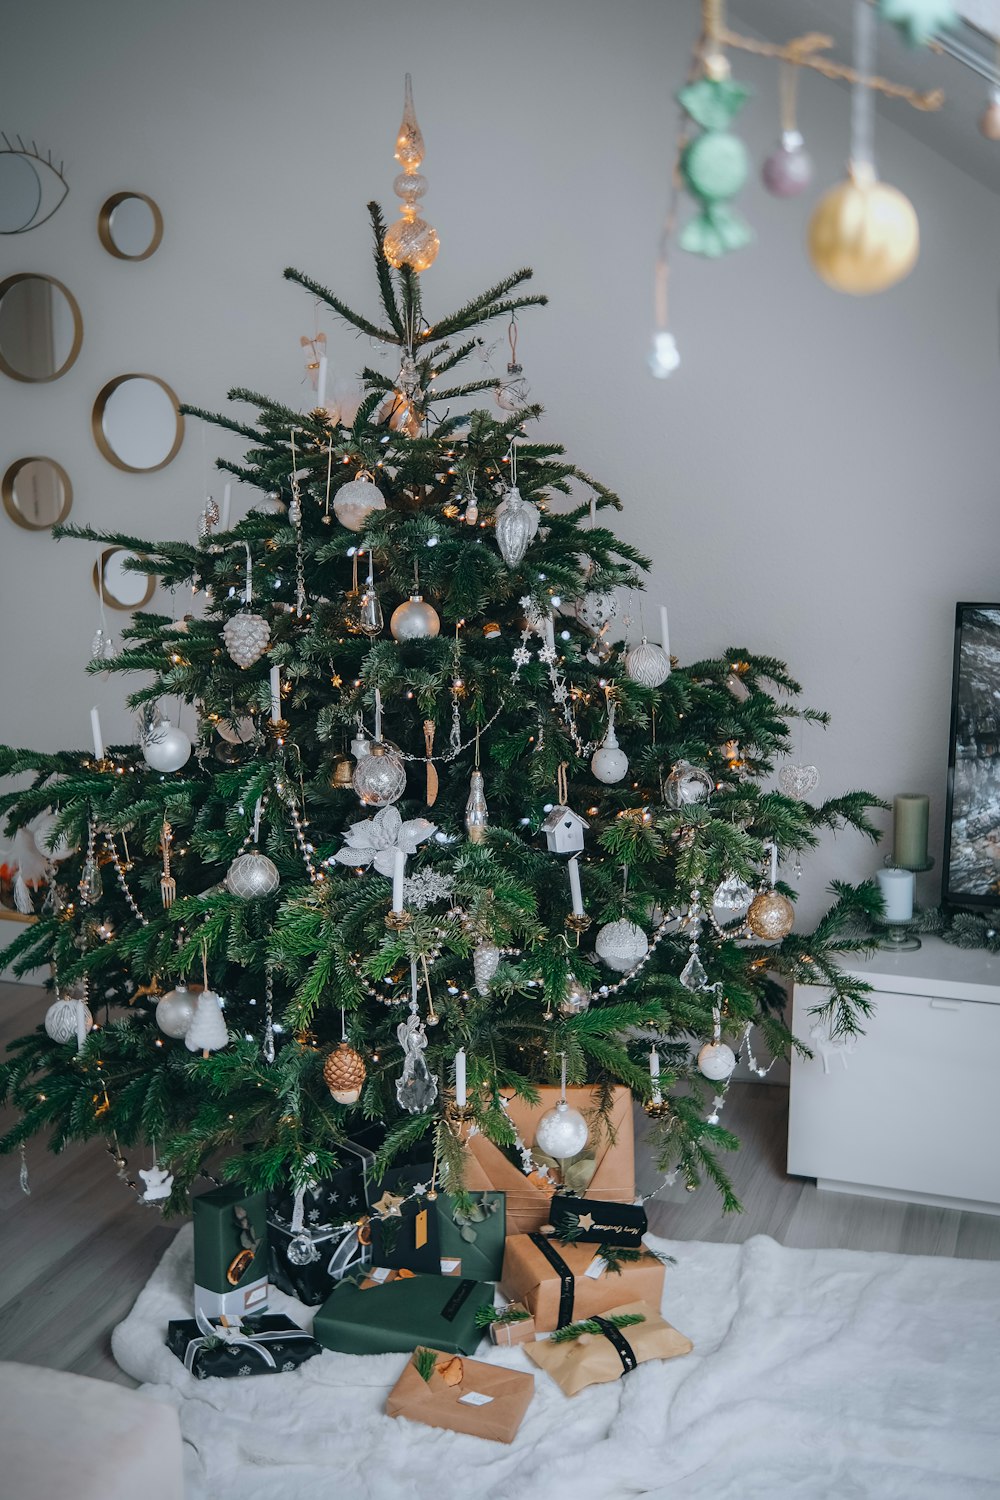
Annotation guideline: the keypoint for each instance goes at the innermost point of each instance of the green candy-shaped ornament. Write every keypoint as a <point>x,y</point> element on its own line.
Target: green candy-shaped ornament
<point>714,166</point>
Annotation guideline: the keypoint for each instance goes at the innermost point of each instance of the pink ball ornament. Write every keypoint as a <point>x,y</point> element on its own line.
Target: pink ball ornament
<point>788,170</point>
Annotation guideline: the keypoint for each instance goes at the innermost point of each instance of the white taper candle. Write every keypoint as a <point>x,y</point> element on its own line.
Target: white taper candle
<point>574,886</point>
<point>654,1073</point>
<point>774,863</point>
<point>378,717</point>
<point>275,694</point>
<point>95,726</point>
<point>398,876</point>
<point>227,496</point>
<point>664,632</point>
<point>460,1093</point>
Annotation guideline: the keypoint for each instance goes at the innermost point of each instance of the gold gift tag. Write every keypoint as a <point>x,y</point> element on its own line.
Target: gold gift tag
<point>420,1229</point>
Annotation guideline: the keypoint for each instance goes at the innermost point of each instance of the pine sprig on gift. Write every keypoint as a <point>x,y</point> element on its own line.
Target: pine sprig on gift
<point>617,1257</point>
<point>425,1362</point>
<point>590,1325</point>
<point>487,1316</point>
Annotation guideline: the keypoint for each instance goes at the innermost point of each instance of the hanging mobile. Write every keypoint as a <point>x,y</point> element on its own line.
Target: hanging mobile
<point>788,170</point>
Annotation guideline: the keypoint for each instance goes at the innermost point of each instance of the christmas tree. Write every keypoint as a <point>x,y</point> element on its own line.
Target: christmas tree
<point>427,861</point>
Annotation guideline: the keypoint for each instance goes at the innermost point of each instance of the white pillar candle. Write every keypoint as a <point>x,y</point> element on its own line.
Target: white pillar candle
<point>95,727</point>
<point>227,496</point>
<point>321,382</point>
<point>654,1073</point>
<point>460,1094</point>
<point>774,864</point>
<point>398,876</point>
<point>664,632</point>
<point>574,886</point>
<point>275,694</point>
<point>897,893</point>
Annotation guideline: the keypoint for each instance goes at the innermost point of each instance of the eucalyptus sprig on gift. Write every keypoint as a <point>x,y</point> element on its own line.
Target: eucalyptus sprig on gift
<point>591,1325</point>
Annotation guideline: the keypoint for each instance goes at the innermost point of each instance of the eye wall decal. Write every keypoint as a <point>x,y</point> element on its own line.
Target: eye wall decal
<point>32,187</point>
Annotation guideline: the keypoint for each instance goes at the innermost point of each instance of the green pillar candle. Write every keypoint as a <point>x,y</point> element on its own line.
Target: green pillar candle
<point>911,811</point>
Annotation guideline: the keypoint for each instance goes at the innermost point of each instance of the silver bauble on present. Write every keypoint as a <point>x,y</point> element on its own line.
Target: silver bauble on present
<point>379,776</point>
<point>247,637</point>
<point>687,785</point>
<point>648,665</point>
<point>576,999</point>
<point>355,501</point>
<point>302,1250</point>
<point>517,522</point>
<point>562,1132</point>
<point>175,1012</point>
<point>596,610</point>
<point>252,876</point>
<point>66,1020</point>
<point>716,1061</point>
<point>416,620</point>
<point>485,962</point>
<point>166,748</point>
<point>621,945</point>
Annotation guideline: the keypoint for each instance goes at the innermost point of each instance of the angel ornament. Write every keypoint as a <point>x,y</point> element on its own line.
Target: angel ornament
<point>416,1089</point>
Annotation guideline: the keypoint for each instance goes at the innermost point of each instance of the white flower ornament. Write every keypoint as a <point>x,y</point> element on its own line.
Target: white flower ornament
<point>374,841</point>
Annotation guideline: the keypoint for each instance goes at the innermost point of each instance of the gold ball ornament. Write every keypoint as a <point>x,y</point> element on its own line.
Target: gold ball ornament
<point>771,916</point>
<point>863,235</point>
<point>344,1072</point>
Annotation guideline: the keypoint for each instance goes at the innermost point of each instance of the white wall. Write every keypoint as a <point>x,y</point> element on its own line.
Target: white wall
<point>818,479</point>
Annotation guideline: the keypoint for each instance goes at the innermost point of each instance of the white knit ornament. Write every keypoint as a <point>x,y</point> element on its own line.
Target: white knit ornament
<point>621,945</point>
<point>208,1031</point>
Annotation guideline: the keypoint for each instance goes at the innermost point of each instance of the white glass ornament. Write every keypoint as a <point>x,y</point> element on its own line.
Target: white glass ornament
<point>485,962</point>
<point>562,1132</point>
<point>576,999</point>
<point>687,785</point>
<point>165,747</point>
<point>517,522</point>
<point>416,620</point>
<point>42,831</point>
<point>302,1250</point>
<point>798,781</point>
<point>716,1061</point>
<point>664,356</point>
<point>648,665</point>
<point>621,945</point>
<point>596,610</point>
<point>236,731</point>
<point>356,500</point>
<point>175,1012</point>
<point>252,876</point>
<point>208,1031</point>
<point>609,763</point>
<point>68,1020</point>
<point>732,895</point>
<point>247,637</point>
<point>379,776</point>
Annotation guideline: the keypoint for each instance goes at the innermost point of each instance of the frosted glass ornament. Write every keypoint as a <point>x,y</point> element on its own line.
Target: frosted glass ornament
<point>517,522</point>
<point>648,665</point>
<point>410,186</point>
<point>236,731</point>
<point>252,876</point>
<point>664,356</point>
<point>716,1061</point>
<point>798,781</point>
<point>415,620</point>
<point>68,1020</point>
<point>166,747</point>
<point>621,945</point>
<point>247,637</point>
<point>687,785</point>
<point>732,895</point>
<point>208,1031</point>
<point>485,962</point>
<point>609,763</point>
<point>411,242</point>
<point>693,976</point>
<point>576,999</point>
<point>175,1012</point>
<point>562,1132</point>
<point>379,776</point>
<point>596,610</point>
<point>416,1087</point>
<point>356,500</point>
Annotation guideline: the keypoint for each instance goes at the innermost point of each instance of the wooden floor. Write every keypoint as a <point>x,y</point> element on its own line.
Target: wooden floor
<point>74,1255</point>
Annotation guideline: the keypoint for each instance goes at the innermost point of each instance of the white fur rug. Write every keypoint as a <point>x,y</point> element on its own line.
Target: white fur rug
<point>817,1375</point>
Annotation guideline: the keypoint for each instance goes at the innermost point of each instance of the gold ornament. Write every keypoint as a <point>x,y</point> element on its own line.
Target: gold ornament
<point>863,235</point>
<point>771,916</point>
<point>343,1073</point>
<point>342,772</point>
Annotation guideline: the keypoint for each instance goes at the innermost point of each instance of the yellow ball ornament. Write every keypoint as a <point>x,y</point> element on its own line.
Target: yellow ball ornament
<point>863,235</point>
<point>771,916</point>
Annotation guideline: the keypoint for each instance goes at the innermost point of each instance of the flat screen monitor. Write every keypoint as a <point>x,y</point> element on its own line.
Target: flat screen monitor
<point>972,819</point>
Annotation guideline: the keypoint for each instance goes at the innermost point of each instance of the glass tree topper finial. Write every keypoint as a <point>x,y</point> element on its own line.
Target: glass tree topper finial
<point>411,241</point>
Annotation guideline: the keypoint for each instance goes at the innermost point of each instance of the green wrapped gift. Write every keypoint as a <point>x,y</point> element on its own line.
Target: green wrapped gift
<point>473,1236</point>
<point>230,1252</point>
<point>396,1318</point>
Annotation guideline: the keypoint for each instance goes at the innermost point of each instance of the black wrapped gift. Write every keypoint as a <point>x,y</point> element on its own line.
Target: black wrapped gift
<point>406,1236</point>
<point>590,1221</point>
<point>308,1264</point>
<point>265,1345</point>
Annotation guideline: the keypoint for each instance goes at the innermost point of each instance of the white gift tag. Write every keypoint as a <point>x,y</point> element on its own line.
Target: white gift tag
<point>380,1273</point>
<point>597,1267</point>
<point>450,1267</point>
<point>474,1398</point>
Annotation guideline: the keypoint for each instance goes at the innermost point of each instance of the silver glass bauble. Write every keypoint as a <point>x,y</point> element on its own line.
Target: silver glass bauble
<point>576,999</point>
<point>517,522</point>
<point>356,500</point>
<point>485,962</point>
<point>716,1061</point>
<point>416,620</point>
<point>621,945</point>
<point>687,785</point>
<point>252,876</point>
<point>166,747</point>
<point>379,776</point>
<point>411,242</point>
<point>597,610</point>
<point>302,1250</point>
<point>247,637</point>
<point>175,1012</point>
<point>648,665</point>
<point>63,1020</point>
<point>562,1132</point>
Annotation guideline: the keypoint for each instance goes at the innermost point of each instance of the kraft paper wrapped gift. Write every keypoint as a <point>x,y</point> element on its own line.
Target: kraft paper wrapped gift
<point>488,1402</point>
<point>520,1332</point>
<point>550,1279</point>
<point>596,1358</point>
<point>528,1199</point>
<point>400,1315</point>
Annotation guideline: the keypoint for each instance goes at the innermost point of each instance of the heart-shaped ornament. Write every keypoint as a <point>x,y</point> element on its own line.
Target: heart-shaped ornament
<point>798,781</point>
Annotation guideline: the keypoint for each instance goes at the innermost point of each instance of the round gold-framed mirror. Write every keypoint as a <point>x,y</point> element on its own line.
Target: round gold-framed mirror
<point>130,226</point>
<point>41,328</point>
<point>137,423</point>
<point>121,587</point>
<point>36,493</point>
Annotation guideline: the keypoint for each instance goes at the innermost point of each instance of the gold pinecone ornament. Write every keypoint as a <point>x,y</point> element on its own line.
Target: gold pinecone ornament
<point>344,1072</point>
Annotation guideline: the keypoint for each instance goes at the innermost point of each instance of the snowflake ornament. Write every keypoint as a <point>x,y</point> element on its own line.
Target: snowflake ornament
<point>426,888</point>
<point>374,841</point>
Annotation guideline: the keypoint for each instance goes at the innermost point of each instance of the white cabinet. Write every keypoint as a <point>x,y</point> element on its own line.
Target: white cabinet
<point>912,1109</point>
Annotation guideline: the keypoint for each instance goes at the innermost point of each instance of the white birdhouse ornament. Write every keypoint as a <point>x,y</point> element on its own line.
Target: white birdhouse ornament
<point>563,830</point>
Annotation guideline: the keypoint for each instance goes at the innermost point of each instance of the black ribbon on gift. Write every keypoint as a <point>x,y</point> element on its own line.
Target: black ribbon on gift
<point>619,1344</point>
<point>567,1283</point>
<point>457,1300</point>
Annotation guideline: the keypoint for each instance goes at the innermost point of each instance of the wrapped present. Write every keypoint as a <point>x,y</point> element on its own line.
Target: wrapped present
<point>331,1201</point>
<point>604,1352</point>
<point>401,1314</point>
<point>405,1237</point>
<point>230,1252</point>
<point>559,1283</point>
<point>529,1198</point>
<point>591,1222</point>
<point>473,1236</point>
<point>512,1325</point>
<point>308,1264</point>
<point>483,1400</point>
<point>253,1346</point>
